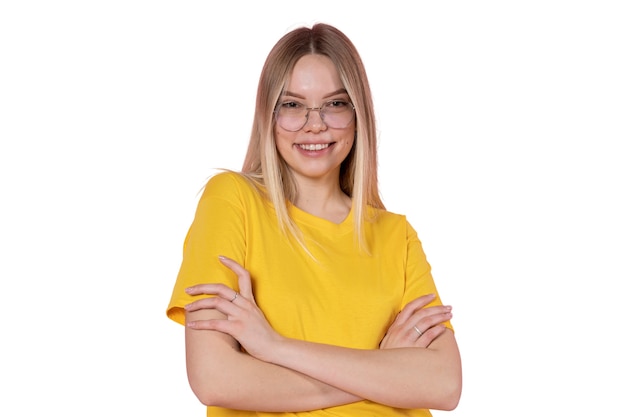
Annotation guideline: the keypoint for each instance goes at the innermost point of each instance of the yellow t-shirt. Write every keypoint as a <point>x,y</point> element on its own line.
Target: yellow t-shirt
<point>343,297</point>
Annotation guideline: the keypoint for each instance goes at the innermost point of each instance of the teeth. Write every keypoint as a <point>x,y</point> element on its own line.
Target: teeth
<point>314,146</point>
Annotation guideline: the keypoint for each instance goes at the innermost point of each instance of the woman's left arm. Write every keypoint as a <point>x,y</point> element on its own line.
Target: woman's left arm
<point>409,377</point>
<point>406,377</point>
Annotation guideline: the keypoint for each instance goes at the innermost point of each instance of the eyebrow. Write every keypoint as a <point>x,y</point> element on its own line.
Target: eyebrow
<point>334,93</point>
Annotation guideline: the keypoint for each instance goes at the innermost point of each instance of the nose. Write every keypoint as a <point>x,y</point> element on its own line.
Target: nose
<point>314,123</point>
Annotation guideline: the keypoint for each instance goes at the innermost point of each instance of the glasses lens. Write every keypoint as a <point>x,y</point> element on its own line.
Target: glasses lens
<point>337,114</point>
<point>292,116</point>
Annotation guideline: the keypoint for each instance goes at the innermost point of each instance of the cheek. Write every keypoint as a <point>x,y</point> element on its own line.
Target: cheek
<point>279,139</point>
<point>349,140</point>
<point>283,143</point>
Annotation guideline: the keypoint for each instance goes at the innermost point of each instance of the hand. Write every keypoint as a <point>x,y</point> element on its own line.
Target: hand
<point>416,326</point>
<point>244,320</point>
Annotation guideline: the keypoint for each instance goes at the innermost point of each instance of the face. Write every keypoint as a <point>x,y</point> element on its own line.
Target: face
<point>316,151</point>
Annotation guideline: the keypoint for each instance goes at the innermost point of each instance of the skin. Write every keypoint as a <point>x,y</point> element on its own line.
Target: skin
<point>314,81</point>
<point>281,374</point>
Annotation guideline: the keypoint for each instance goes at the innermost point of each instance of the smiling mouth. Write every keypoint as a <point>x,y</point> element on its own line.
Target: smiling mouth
<point>313,146</point>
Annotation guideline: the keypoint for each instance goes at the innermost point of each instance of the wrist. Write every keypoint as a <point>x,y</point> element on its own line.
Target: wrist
<point>279,352</point>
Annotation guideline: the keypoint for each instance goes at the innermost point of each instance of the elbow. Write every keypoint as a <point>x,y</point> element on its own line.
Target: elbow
<point>450,400</point>
<point>208,397</point>
<point>209,401</point>
<point>205,391</point>
<point>449,385</point>
<point>443,394</point>
<point>204,397</point>
<point>200,390</point>
<point>449,394</point>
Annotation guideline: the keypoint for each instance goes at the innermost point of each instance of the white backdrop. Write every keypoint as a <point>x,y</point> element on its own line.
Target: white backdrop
<point>502,127</point>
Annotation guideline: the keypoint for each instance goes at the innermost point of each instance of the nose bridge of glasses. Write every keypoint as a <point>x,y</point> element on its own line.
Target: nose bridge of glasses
<point>320,111</point>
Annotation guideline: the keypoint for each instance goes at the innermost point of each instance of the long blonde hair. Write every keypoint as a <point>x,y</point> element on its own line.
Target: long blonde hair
<point>359,171</point>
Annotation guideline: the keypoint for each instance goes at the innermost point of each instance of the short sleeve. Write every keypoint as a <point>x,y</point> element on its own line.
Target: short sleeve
<point>419,280</point>
<point>218,229</point>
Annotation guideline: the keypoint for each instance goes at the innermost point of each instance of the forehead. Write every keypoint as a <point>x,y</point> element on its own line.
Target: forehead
<point>314,74</point>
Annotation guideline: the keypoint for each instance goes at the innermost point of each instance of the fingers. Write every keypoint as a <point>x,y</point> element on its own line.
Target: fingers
<point>223,301</point>
<point>225,306</point>
<point>417,314</point>
<point>245,283</point>
<point>430,327</point>
<point>227,300</point>
<point>221,290</point>
<point>429,335</point>
<point>414,306</point>
<point>418,324</point>
<point>430,317</point>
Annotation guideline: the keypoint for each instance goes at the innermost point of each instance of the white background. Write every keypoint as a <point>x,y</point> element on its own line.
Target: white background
<point>502,130</point>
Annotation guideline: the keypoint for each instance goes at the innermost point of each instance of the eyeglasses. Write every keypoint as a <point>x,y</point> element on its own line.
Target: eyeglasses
<point>292,116</point>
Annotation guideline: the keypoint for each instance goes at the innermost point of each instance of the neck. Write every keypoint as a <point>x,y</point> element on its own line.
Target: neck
<point>323,199</point>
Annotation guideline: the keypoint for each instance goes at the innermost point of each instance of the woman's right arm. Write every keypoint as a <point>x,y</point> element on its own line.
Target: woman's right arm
<point>220,374</point>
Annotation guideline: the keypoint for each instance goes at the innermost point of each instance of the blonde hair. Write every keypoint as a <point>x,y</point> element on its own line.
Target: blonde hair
<point>359,171</point>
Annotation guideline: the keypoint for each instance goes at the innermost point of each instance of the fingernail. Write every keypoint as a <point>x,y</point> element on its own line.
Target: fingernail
<point>222,257</point>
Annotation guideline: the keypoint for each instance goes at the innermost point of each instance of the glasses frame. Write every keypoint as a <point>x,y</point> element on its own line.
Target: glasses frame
<point>308,111</point>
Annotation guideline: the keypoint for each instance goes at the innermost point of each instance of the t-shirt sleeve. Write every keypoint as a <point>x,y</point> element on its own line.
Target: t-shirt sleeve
<point>419,280</point>
<point>218,229</point>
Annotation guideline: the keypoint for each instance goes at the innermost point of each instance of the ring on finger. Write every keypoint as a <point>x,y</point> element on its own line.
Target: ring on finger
<point>235,297</point>
<point>418,331</point>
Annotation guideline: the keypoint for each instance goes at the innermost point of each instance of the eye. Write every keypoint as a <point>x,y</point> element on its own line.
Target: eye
<point>337,104</point>
<point>290,106</point>
<point>337,107</point>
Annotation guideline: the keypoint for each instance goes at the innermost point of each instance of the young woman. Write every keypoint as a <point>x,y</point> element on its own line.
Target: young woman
<point>299,291</point>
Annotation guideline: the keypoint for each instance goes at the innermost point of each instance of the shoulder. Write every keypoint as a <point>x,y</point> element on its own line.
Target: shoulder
<point>226,183</point>
<point>225,179</point>
<point>234,188</point>
<point>378,215</point>
<point>393,220</point>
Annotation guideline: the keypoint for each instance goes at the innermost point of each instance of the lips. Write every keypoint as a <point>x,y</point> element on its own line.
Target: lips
<point>313,146</point>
